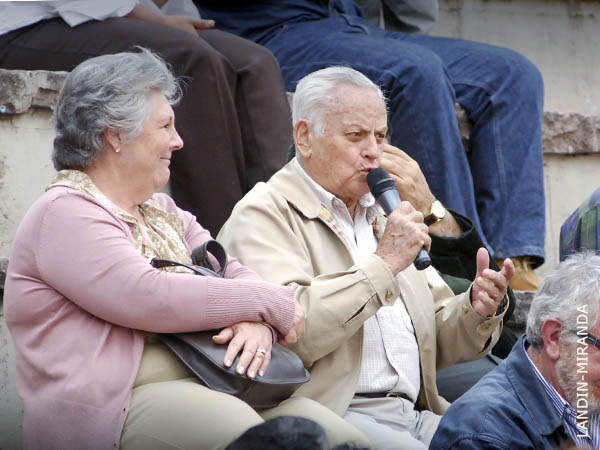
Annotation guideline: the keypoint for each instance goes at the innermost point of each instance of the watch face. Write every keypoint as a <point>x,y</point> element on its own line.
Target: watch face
<point>438,210</point>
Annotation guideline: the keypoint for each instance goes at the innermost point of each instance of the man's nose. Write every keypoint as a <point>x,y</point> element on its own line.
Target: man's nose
<point>372,148</point>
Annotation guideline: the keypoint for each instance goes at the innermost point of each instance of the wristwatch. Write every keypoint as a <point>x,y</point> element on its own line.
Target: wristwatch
<point>436,213</point>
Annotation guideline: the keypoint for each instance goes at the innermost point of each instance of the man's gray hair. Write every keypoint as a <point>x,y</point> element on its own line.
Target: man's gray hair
<point>564,294</point>
<point>107,92</point>
<point>314,97</point>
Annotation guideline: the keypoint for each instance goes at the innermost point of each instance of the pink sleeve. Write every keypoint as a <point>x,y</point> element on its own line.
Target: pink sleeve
<point>86,254</point>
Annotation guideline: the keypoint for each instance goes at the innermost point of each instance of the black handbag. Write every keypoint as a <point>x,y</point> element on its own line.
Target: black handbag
<point>204,357</point>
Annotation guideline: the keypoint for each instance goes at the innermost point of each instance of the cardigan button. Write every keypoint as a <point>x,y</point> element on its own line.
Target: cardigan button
<point>389,296</point>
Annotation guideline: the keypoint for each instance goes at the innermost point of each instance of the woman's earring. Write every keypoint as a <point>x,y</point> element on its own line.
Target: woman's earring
<point>118,149</point>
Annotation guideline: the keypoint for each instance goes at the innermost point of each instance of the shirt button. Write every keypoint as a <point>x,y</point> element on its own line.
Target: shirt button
<point>389,296</point>
<point>486,326</point>
<point>465,309</point>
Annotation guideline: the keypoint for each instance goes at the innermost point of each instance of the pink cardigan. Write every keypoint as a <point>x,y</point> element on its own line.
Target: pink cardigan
<point>76,294</point>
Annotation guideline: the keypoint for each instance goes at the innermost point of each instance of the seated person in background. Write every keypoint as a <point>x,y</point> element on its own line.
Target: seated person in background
<point>580,230</point>
<point>234,118</point>
<point>83,304</point>
<point>499,183</point>
<point>547,391</point>
<point>376,328</point>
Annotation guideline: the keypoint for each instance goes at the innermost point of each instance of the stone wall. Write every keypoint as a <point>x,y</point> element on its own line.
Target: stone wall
<point>560,37</point>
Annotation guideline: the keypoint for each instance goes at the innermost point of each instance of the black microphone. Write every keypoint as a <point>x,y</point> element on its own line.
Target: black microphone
<point>384,190</point>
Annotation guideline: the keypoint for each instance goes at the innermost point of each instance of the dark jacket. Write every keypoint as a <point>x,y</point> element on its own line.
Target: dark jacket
<point>507,409</point>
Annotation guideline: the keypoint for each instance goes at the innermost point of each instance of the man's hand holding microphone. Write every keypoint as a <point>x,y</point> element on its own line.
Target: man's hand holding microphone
<point>406,238</point>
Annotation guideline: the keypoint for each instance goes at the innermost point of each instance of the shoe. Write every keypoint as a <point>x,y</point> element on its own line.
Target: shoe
<point>524,279</point>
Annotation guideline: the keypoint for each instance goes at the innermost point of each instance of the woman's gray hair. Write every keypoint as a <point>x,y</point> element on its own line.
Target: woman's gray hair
<point>314,97</point>
<point>107,92</point>
<point>564,294</point>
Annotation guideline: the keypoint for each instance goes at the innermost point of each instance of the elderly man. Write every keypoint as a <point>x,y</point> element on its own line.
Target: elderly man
<point>376,328</point>
<point>547,391</point>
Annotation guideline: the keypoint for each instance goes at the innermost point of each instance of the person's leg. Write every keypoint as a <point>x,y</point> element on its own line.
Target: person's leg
<point>338,430</point>
<point>183,415</point>
<point>455,380</point>
<point>502,93</point>
<point>387,422</point>
<point>261,102</point>
<point>208,176</point>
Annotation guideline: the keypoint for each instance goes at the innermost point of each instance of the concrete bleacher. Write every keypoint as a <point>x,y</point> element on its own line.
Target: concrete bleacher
<point>571,132</point>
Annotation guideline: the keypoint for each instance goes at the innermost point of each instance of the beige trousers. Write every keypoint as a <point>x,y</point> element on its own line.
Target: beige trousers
<point>170,410</point>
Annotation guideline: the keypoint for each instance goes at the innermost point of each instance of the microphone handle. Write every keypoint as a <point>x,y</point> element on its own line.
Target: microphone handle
<point>422,261</point>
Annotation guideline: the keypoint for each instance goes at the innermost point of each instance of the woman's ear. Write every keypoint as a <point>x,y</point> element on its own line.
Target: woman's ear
<point>302,138</point>
<point>113,139</point>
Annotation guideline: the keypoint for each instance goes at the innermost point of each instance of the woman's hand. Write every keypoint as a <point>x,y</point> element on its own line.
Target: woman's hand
<point>254,340</point>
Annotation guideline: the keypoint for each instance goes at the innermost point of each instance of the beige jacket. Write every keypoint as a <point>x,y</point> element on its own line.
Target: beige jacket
<point>280,230</point>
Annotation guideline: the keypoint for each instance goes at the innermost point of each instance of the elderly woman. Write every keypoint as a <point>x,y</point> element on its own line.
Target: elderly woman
<point>83,303</point>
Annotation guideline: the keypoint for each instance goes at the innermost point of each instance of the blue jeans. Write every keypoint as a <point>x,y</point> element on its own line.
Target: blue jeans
<point>499,183</point>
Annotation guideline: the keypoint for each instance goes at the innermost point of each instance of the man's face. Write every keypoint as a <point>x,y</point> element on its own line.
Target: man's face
<point>573,381</point>
<point>352,144</point>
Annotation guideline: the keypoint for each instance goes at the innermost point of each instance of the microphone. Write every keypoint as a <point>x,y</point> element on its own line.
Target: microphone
<point>383,189</point>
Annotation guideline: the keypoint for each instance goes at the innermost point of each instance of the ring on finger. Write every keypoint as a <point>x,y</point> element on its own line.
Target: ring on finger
<point>261,350</point>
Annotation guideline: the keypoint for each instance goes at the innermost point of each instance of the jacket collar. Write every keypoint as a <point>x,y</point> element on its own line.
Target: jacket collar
<point>531,392</point>
<point>290,183</point>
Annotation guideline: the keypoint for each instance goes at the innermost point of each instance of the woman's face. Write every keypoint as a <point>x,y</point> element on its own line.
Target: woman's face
<point>148,156</point>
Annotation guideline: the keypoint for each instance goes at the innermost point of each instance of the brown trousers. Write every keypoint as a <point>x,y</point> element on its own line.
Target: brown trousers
<point>234,117</point>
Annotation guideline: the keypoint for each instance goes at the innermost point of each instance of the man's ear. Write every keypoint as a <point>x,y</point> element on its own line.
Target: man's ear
<point>302,138</point>
<point>551,331</point>
<point>112,138</point>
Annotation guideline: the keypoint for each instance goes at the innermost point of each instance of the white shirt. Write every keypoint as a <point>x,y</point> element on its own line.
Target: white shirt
<point>15,15</point>
<point>390,356</point>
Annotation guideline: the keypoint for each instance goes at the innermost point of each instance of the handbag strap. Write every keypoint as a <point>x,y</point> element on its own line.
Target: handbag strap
<point>200,255</point>
<point>201,262</point>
